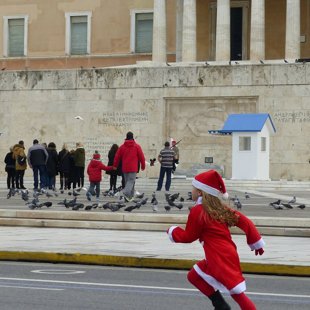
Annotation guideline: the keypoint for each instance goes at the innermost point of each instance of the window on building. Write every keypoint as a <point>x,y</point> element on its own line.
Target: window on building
<point>143,32</point>
<point>78,33</point>
<point>15,36</point>
<point>244,143</point>
<point>263,145</point>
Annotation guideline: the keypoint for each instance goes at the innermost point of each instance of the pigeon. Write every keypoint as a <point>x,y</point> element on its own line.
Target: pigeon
<point>45,204</point>
<point>292,200</point>
<point>246,195</point>
<point>140,196</point>
<point>167,208</point>
<point>154,208</point>
<point>95,205</point>
<point>182,199</point>
<point>130,208</point>
<point>237,204</point>
<point>179,206</point>
<point>87,208</point>
<point>173,197</point>
<point>25,195</point>
<point>287,205</point>
<point>301,206</point>
<point>276,205</point>
<point>75,193</point>
<point>78,206</point>
<point>189,194</point>
<point>144,201</point>
<point>154,200</point>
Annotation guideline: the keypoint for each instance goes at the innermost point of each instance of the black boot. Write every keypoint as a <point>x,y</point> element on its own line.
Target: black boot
<point>219,302</point>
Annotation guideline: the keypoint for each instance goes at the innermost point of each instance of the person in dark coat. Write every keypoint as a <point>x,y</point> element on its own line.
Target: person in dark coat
<point>79,163</point>
<point>113,173</point>
<point>52,165</point>
<point>64,166</point>
<point>71,174</point>
<point>10,169</point>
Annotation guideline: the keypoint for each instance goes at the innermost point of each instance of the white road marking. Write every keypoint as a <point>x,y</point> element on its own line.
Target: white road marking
<point>146,287</point>
<point>33,288</point>
<point>55,271</point>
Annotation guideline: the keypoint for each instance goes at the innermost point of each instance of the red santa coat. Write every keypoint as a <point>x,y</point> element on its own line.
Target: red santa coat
<point>221,266</point>
<point>94,170</point>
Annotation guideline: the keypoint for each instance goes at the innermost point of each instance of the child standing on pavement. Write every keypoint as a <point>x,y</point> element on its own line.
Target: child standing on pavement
<point>209,221</point>
<point>94,171</point>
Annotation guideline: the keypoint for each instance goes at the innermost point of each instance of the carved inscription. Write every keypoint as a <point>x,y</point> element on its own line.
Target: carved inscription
<point>121,119</point>
<point>292,117</point>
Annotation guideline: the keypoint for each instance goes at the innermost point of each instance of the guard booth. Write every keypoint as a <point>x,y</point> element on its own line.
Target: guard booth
<point>250,144</point>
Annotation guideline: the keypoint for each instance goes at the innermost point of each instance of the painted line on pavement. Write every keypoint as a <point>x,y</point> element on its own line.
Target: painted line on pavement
<point>165,288</point>
<point>147,262</point>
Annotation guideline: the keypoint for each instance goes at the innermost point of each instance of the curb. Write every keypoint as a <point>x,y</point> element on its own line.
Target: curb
<point>144,262</point>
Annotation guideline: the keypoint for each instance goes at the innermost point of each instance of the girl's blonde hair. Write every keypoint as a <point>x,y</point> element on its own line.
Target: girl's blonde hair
<point>218,211</point>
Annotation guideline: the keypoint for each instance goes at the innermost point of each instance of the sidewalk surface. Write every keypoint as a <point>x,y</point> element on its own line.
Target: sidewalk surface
<point>283,255</point>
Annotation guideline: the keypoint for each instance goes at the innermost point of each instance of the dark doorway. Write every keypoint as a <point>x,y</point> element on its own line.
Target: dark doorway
<point>236,18</point>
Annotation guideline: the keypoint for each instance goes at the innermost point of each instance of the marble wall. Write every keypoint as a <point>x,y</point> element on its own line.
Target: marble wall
<point>157,103</point>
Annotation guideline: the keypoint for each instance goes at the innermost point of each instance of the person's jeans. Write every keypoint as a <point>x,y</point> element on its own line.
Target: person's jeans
<point>130,180</point>
<point>162,173</point>
<point>41,169</point>
<point>94,188</point>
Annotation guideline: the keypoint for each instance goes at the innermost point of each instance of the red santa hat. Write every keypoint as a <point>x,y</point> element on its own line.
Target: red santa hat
<point>210,182</point>
<point>96,156</point>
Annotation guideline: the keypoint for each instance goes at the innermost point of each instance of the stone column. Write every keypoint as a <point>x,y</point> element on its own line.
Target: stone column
<point>222,51</point>
<point>292,37</point>
<point>257,44</point>
<point>189,31</point>
<point>159,31</point>
<point>179,28</point>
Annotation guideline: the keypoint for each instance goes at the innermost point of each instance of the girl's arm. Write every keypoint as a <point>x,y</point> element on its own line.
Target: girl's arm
<point>191,232</point>
<point>254,239</point>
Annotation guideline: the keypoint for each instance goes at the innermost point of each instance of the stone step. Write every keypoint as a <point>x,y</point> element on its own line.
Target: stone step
<point>297,227</point>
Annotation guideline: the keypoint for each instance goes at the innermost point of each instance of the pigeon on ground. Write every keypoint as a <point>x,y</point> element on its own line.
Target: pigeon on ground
<point>246,195</point>
<point>301,206</point>
<point>182,199</point>
<point>78,206</point>
<point>130,208</point>
<point>140,196</point>
<point>154,207</point>
<point>47,204</point>
<point>25,195</point>
<point>276,205</point>
<point>75,193</point>
<point>292,200</point>
<point>287,205</point>
<point>179,206</point>
<point>189,194</point>
<point>167,208</point>
<point>144,201</point>
<point>87,208</point>
<point>172,197</point>
<point>154,200</point>
<point>237,204</point>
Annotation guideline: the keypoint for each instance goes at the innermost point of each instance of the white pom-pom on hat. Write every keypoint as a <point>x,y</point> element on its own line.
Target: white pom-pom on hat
<point>212,183</point>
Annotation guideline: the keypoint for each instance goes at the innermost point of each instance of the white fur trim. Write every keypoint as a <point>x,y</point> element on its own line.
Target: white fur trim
<point>208,189</point>
<point>225,196</point>
<point>257,245</point>
<point>171,229</point>
<point>238,289</point>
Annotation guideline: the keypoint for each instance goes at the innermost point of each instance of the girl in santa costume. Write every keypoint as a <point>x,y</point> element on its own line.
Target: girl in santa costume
<point>209,221</point>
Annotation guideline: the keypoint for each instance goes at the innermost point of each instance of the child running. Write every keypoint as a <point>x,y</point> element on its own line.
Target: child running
<point>209,221</point>
<point>94,171</point>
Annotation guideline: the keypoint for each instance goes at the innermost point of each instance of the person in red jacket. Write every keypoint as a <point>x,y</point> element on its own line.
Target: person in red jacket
<point>131,156</point>
<point>94,171</point>
<point>209,221</point>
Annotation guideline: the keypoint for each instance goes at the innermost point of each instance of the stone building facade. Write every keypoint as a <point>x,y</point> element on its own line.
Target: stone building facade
<point>187,84</point>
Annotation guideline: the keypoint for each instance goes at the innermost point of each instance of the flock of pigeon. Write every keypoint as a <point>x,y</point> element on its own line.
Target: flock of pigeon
<point>279,205</point>
<point>34,200</point>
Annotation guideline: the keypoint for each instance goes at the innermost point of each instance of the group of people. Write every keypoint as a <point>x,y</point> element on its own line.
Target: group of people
<point>46,163</point>
<point>208,221</point>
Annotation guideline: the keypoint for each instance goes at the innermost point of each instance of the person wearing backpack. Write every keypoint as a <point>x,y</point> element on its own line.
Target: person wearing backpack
<point>20,164</point>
